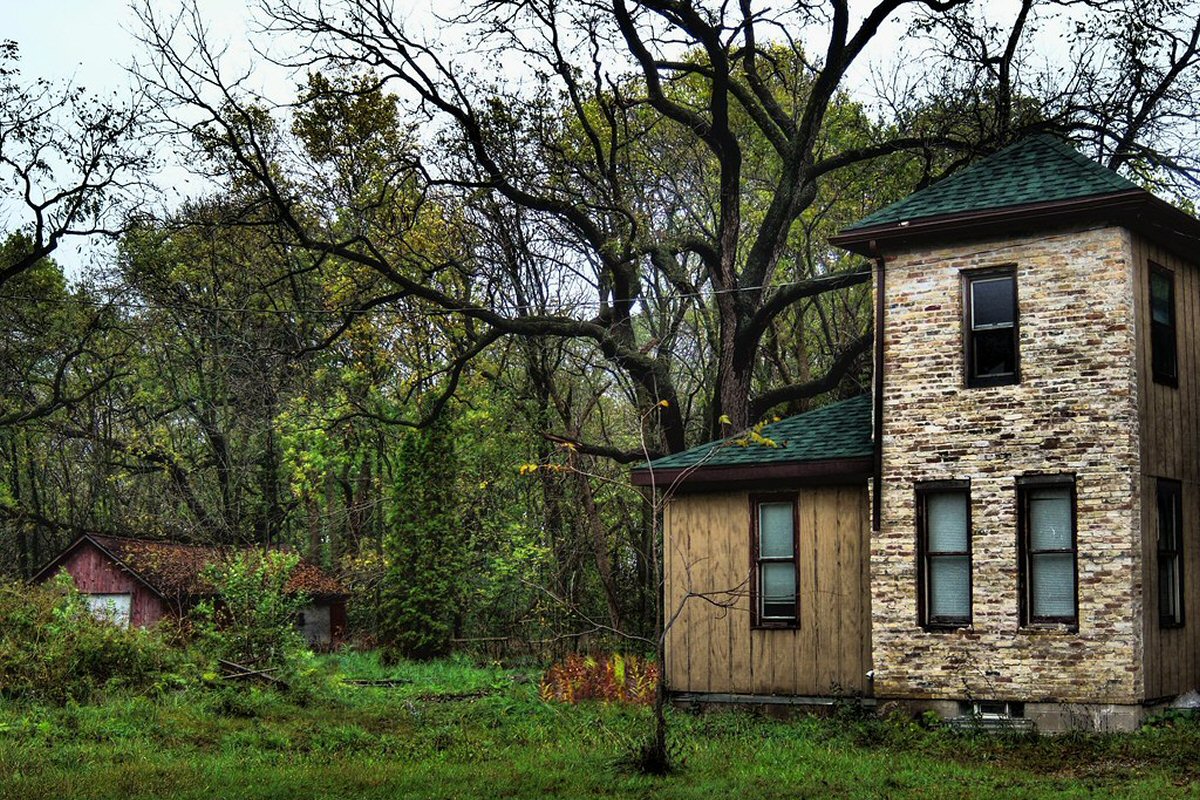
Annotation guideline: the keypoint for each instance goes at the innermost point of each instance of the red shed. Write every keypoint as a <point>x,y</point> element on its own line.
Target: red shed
<point>140,581</point>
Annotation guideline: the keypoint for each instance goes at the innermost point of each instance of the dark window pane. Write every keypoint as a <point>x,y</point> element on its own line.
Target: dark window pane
<point>1170,536</point>
<point>994,352</point>
<point>1166,519</point>
<point>1162,326</point>
<point>992,302</point>
<point>779,610</point>
<point>1162,347</point>
<point>1168,589</point>
<point>1162,304</point>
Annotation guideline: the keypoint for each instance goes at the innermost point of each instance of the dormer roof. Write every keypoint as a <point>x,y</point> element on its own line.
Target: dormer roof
<point>1037,183</point>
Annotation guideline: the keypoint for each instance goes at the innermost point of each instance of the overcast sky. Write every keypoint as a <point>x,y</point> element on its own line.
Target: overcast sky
<point>91,42</point>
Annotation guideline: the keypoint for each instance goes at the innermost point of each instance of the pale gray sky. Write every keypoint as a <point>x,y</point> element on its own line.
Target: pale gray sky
<point>91,42</point>
<point>88,43</point>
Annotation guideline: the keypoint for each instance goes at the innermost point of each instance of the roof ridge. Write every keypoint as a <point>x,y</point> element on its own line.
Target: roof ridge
<point>193,545</point>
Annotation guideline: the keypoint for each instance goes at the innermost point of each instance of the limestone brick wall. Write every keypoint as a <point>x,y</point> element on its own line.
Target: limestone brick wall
<point>1074,411</point>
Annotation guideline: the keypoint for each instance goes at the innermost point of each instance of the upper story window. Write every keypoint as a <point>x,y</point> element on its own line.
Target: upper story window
<point>1048,550</point>
<point>774,597</point>
<point>990,306</point>
<point>944,568</point>
<point>1162,326</point>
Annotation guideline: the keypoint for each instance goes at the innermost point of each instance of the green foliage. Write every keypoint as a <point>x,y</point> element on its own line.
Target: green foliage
<point>253,620</point>
<point>53,649</point>
<point>432,737</point>
<point>425,547</point>
<point>443,677</point>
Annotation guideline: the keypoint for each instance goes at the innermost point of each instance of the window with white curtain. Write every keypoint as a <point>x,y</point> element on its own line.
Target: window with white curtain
<point>775,585</point>
<point>1048,549</point>
<point>944,530</point>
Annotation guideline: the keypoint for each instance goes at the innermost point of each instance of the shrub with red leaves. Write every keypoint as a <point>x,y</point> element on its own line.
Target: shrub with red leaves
<point>615,678</point>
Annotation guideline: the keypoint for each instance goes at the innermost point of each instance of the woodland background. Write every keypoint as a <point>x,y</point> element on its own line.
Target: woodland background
<point>426,316</point>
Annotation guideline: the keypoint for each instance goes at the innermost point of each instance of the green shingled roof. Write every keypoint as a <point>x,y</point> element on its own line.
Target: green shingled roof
<point>840,430</point>
<point>1039,169</point>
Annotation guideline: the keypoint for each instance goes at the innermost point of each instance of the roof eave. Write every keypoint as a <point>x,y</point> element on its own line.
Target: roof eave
<point>834,470</point>
<point>58,560</point>
<point>1123,206</point>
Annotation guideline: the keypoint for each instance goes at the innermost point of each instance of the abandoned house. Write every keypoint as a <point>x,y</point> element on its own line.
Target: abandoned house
<point>1007,525</point>
<point>140,581</point>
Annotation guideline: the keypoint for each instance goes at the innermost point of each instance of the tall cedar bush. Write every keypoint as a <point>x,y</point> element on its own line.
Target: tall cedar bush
<point>425,546</point>
<point>53,649</point>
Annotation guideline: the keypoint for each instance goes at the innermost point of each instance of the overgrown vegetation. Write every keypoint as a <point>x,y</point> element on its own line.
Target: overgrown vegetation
<point>454,729</point>
<point>426,547</point>
<point>252,621</point>
<point>53,650</point>
<point>589,263</point>
<point>614,678</point>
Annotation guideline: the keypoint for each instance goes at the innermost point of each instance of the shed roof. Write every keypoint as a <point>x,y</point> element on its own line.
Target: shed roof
<point>839,432</point>
<point>1039,169</point>
<point>176,570</point>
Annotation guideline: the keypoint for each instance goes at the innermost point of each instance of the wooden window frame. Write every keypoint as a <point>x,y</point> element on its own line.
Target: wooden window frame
<point>969,277</point>
<point>922,491</point>
<point>1165,487</point>
<point>757,620</point>
<point>1026,483</point>
<point>1170,378</point>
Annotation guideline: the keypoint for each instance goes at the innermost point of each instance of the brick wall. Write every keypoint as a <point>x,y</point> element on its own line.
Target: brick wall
<point>1074,411</point>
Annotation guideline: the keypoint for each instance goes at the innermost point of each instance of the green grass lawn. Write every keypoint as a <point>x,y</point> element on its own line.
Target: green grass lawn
<point>450,730</point>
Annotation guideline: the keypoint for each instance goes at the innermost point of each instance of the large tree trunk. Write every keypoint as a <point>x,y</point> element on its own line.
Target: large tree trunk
<point>734,378</point>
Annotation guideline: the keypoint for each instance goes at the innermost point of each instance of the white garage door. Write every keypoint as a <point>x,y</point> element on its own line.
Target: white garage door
<point>112,607</point>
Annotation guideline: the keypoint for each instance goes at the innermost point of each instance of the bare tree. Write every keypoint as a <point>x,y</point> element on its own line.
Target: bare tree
<point>72,164</point>
<point>671,156</point>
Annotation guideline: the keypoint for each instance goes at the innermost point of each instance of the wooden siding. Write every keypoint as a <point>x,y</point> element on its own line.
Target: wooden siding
<point>711,646</point>
<point>94,572</point>
<point>1170,435</point>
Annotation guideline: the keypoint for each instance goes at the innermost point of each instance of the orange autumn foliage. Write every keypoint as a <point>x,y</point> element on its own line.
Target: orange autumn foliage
<point>616,678</point>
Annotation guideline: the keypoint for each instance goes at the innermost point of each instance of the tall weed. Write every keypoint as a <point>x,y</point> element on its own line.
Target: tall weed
<point>615,678</point>
<point>253,623</point>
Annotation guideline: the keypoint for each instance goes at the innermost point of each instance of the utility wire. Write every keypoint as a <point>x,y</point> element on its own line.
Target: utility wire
<point>132,305</point>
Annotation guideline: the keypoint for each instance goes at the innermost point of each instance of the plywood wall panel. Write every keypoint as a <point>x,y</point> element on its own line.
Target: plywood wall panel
<point>711,646</point>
